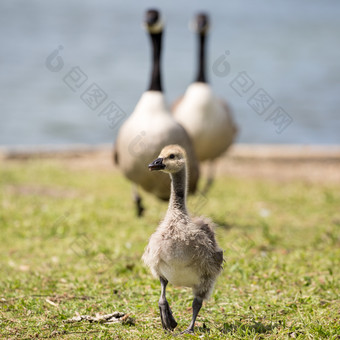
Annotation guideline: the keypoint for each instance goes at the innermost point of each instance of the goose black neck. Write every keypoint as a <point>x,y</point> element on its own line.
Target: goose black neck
<point>156,83</point>
<point>178,192</point>
<point>201,77</point>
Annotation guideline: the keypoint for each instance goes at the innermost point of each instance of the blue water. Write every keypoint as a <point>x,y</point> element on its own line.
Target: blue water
<point>289,49</point>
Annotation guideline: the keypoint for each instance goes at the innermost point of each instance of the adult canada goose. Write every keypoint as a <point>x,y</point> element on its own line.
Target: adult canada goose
<point>150,127</point>
<point>182,251</point>
<point>206,118</point>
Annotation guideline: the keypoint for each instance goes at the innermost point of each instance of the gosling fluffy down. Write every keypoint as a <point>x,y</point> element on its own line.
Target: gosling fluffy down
<point>183,250</point>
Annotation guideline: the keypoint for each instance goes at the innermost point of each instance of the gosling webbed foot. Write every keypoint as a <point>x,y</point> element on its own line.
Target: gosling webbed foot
<point>188,331</point>
<point>168,321</point>
<point>196,306</point>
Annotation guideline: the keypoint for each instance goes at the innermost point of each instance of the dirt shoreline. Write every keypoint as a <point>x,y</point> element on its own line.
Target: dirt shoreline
<point>312,163</point>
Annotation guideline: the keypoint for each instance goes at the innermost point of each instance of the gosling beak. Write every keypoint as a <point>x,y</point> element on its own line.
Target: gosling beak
<point>157,164</point>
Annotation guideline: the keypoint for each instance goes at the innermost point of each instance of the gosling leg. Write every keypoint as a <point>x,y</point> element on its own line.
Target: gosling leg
<point>196,306</point>
<point>138,202</point>
<point>168,321</point>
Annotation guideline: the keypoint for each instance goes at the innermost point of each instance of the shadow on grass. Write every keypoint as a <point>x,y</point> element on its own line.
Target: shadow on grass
<point>247,328</point>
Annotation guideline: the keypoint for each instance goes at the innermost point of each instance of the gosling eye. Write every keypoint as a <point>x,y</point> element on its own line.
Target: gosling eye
<point>172,156</point>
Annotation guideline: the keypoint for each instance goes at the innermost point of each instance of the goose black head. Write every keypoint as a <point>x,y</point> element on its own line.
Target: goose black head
<point>172,159</point>
<point>153,21</point>
<point>201,23</point>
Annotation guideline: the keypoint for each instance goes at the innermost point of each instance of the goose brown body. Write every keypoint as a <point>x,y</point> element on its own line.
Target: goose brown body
<point>149,128</point>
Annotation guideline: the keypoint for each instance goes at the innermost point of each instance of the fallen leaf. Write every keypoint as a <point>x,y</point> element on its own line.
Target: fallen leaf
<point>51,303</point>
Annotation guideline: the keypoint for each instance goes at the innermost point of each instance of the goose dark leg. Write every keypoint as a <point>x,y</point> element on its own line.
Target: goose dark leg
<point>196,306</point>
<point>138,201</point>
<point>168,321</point>
<point>210,178</point>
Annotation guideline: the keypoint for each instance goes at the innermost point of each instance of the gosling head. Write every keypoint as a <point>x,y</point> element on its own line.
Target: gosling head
<point>172,159</point>
<point>153,22</point>
<point>200,24</point>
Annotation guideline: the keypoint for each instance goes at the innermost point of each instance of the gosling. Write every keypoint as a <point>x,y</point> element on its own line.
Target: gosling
<point>182,251</point>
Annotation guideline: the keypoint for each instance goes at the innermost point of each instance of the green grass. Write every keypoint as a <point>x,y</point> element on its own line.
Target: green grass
<point>70,243</point>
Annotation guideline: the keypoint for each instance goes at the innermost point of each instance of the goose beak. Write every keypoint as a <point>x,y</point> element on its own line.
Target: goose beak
<point>157,164</point>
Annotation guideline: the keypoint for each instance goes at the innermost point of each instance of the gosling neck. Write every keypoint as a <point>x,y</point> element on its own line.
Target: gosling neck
<point>178,194</point>
<point>156,82</point>
<point>201,76</point>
